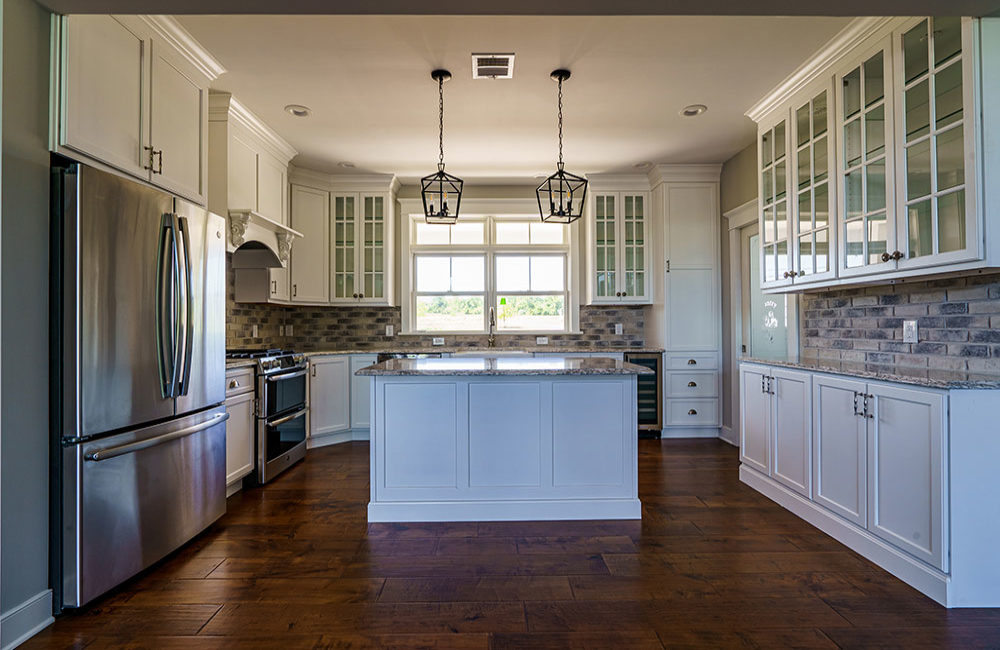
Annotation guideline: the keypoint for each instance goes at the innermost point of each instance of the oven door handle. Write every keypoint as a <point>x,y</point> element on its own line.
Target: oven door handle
<point>288,418</point>
<point>291,375</point>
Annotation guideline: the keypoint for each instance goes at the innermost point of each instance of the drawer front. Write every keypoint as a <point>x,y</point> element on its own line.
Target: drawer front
<point>693,412</point>
<point>239,381</point>
<point>693,361</point>
<point>692,384</point>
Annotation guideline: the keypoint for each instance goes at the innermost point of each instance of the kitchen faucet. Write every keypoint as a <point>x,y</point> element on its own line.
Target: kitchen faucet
<point>491,342</point>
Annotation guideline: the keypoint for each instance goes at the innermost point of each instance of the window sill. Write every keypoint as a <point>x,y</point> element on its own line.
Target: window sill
<point>497,333</point>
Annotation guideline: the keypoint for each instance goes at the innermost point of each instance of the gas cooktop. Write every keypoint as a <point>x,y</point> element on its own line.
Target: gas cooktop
<point>270,360</point>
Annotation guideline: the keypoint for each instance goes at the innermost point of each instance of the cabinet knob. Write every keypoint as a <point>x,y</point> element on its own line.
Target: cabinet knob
<point>886,257</point>
<point>692,362</point>
<point>355,295</point>
<point>785,275</point>
<point>792,274</point>
<point>692,384</point>
<point>692,412</point>
<point>619,294</point>
<point>361,295</point>
<point>234,383</point>
<point>896,255</point>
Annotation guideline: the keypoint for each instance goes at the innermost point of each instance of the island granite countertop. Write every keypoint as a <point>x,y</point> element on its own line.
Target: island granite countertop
<point>913,376</point>
<point>486,365</point>
<point>451,349</point>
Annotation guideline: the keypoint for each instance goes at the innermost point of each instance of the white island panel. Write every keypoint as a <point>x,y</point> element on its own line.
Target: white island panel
<point>421,435</point>
<point>588,430</point>
<point>505,434</point>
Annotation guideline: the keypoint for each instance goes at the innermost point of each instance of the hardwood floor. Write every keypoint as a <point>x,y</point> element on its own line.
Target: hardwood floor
<point>711,564</point>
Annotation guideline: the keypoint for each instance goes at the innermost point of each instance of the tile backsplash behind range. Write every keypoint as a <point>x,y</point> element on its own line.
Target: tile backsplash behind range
<point>958,322</point>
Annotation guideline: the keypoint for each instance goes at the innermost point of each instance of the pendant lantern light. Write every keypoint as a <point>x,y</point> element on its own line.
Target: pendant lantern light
<point>440,188</point>
<point>561,196</point>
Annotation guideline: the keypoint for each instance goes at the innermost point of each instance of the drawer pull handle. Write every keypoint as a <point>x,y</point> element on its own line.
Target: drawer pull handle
<point>692,384</point>
<point>692,362</point>
<point>692,412</point>
<point>234,383</point>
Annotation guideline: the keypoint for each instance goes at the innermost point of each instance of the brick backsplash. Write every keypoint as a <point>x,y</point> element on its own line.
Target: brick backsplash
<point>958,321</point>
<point>347,327</point>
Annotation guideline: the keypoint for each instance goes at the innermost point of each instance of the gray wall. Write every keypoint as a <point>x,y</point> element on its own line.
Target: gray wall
<point>737,185</point>
<point>24,304</point>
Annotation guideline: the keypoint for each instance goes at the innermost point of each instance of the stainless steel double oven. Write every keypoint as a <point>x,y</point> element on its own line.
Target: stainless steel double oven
<point>281,413</point>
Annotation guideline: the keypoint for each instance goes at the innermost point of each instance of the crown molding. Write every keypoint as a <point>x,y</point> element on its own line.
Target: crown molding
<point>828,55</point>
<point>223,106</point>
<point>167,28</point>
<point>684,173</point>
<point>343,182</point>
<point>626,182</point>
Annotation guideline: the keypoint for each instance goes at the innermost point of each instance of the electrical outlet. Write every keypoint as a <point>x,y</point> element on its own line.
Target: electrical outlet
<point>281,330</point>
<point>253,331</point>
<point>541,340</point>
<point>618,329</point>
<point>288,329</point>
<point>909,331</point>
<point>390,330</point>
<point>437,340</point>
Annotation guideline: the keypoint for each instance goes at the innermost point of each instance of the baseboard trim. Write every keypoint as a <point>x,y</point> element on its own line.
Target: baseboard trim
<point>913,572</point>
<point>690,432</point>
<point>339,437</point>
<point>26,620</point>
<point>552,510</point>
<point>726,434</point>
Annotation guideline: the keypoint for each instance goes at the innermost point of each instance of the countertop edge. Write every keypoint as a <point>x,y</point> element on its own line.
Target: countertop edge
<point>890,374</point>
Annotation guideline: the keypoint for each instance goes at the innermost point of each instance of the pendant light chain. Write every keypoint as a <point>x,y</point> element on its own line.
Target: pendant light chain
<point>441,121</point>
<point>560,123</point>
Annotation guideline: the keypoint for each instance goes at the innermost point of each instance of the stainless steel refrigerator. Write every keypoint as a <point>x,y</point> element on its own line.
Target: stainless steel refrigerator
<point>138,377</point>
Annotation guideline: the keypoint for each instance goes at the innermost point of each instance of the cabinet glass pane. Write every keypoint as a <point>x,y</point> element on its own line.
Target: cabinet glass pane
<point>874,79</point>
<point>802,125</point>
<point>769,225</point>
<point>915,52</point>
<point>853,203</point>
<point>767,186</point>
<point>819,115</point>
<point>951,221</point>
<point>854,238</point>
<point>820,164</point>
<point>947,38</point>
<point>779,141</point>
<point>875,132</point>
<point>770,263</point>
<point>822,205</point>
<point>877,237</point>
<point>821,255</point>
<point>782,251</point>
<point>950,158</point>
<point>852,92</point>
<point>948,95</point>
<point>852,142</point>
<point>918,170</point>
<point>875,173</point>
<point>921,236</point>
<point>805,255</point>
<point>765,149</point>
<point>805,211</point>
<point>779,180</point>
<point>917,116</point>
<point>781,221</point>
<point>803,174</point>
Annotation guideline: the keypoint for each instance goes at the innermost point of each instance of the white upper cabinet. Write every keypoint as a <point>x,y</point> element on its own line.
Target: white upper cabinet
<point>361,246</point>
<point>881,175</point>
<point>618,259</point>
<point>310,262</point>
<point>129,98</point>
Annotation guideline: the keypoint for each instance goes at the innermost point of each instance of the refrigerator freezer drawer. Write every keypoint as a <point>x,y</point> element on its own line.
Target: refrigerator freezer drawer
<point>138,496</point>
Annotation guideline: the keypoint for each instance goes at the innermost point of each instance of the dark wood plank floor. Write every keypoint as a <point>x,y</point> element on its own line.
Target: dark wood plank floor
<point>712,564</point>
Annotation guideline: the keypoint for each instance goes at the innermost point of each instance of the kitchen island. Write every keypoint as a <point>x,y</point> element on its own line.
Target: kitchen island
<point>494,438</point>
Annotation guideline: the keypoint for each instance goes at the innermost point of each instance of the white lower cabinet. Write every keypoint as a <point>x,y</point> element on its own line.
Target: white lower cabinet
<point>361,391</point>
<point>839,437</point>
<point>240,425</point>
<point>329,395</point>
<point>755,420</point>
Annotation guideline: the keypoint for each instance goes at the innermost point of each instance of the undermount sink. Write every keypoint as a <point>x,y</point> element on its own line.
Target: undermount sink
<point>491,353</point>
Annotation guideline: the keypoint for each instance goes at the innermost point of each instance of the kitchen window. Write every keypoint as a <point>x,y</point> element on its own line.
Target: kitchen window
<point>515,264</point>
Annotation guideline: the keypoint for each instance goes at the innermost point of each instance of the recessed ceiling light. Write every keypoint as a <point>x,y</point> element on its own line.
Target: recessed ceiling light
<point>298,110</point>
<point>643,165</point>
<point>346,164</point>
<point>693,110</point>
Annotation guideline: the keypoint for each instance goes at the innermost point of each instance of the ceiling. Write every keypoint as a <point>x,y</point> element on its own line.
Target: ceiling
<point>367,80</point>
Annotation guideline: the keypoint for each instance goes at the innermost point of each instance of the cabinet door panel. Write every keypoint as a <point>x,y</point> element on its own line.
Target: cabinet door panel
<point>372,256</point>
<point>605,251</point>
<point>310,258</point>
<point>906,504</point>
<point>105,87</point>
<point>239,437</point>
<point>178,110</point>
<point>242,174</point>
<point>840,448</point>
<point>792,459</point>
<point>635,238</point>
<point>692,320</point>
<point>755,419</point>
<point>278,288</point>
<point>343,250</point>
<point>329,395</point>
<point>271,183</point>
<point>361,392</point>
<point>693,241</point>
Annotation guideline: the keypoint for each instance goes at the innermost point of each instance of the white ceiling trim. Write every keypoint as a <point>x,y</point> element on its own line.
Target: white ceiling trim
<point>343,182</point>
<point>685,173</point>
<point>171,31</point>
<point>223,106</point>
<point>828,55</point>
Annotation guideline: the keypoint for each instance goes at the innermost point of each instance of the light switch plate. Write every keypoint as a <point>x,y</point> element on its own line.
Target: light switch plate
<point>288,329</point>
<point>618,329</point>
<point>437,340</point>
<point>909,331</point>
<point>253,331</point>
<point>390,330</point>
<point>541,340</point>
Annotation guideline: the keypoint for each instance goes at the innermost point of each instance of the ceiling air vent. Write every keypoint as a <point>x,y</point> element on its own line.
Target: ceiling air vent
<point>492,66</point>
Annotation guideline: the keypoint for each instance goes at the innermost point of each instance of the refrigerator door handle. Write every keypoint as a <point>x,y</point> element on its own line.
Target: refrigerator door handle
<point>98,455</point>
<point>165,285</point>
<point>184,240</point>
<point>177,308</point>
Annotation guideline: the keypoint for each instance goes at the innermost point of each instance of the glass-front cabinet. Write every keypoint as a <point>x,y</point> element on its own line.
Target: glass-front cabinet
<point>619,224</point>
<point>879,174</point>
<point>360,246</point>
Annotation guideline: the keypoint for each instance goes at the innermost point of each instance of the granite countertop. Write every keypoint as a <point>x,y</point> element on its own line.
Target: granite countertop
<point>486,365</point>
<point>927,377</point>
<point>240,363</point>
<point>485,351</point>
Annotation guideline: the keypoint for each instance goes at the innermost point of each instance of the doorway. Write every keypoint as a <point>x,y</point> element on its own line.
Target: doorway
<point>766,317</point>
